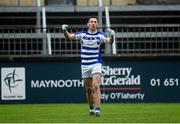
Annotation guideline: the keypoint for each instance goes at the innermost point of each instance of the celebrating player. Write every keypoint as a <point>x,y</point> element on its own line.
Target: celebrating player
<point>91,61</point>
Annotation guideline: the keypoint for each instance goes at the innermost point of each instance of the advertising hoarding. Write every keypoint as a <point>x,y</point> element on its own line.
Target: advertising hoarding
<point>60,81</point>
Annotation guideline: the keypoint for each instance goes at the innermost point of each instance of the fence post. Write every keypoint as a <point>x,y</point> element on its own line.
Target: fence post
<point>38,16</point>
<point>49,44</point>
<point>44,31</point>
<point>108,25</point>
<point>100,14</point>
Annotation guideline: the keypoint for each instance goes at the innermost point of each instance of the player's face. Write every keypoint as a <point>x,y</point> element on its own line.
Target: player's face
<point>92,24</point>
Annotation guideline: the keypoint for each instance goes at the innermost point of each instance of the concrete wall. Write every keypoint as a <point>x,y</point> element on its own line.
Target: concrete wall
<point>19,2</point>
<point>78,2</point>
<point>8,2</point>
<point>122,2</point>
<point>105,2</point>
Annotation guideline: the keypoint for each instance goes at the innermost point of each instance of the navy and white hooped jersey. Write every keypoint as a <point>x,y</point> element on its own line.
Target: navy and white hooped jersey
<point>90,46</point>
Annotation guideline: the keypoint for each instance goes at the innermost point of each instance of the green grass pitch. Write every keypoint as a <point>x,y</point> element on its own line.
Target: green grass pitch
<point>78,113</point>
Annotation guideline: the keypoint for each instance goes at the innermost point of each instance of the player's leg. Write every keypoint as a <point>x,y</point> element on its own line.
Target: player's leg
<point>87,79</point>
<point>89,94</point>
<point>97,93</point>
<point>96,73</point>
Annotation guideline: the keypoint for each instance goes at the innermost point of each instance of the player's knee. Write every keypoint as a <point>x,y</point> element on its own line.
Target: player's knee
<point>89,90</point>
<point>96,88</point>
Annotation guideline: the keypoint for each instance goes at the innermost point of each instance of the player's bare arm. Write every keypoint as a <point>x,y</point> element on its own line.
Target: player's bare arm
<point>69,36</point>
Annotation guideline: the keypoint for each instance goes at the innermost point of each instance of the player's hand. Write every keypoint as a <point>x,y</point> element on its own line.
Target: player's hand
<point>111,32</point>
<point>64,27</point>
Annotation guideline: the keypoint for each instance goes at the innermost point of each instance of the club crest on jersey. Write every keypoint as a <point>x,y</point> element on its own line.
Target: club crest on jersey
<point>91,40</point>
<point>91,37</point>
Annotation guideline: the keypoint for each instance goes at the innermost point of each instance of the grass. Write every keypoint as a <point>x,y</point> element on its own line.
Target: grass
<point>78,113</point>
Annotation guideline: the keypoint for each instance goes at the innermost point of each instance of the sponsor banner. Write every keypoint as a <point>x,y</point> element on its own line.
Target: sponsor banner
<point>13,83</point>
<point>60,81</point>
<point>121,84</point>
<point>140,81</point>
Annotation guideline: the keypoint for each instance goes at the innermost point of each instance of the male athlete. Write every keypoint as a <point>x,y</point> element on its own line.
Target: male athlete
<point>91,61</point>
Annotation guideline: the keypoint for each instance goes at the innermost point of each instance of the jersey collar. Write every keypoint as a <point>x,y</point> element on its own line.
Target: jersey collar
<point>92,33</point>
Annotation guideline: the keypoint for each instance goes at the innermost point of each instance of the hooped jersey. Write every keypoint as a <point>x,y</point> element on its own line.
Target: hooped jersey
<point>90,46</point>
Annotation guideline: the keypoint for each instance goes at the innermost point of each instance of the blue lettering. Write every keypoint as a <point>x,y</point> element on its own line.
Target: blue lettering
<point>91,38</point>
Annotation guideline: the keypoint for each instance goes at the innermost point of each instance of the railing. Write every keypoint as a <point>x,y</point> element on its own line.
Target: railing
<point>148,40</point>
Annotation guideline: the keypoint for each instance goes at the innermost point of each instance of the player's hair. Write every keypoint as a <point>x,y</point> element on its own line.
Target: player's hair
<point>92,17</point>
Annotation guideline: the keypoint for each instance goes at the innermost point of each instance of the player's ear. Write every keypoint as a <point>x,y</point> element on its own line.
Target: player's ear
<point>88,24</point>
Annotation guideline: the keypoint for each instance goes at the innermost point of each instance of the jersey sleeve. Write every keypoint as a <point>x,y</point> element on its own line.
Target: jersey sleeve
<point>78,35</point>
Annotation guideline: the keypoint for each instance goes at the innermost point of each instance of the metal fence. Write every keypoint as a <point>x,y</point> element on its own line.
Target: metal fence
<point>148,40</point>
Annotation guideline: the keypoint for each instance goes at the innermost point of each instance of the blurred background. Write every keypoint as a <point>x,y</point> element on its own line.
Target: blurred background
<point>143,27</point>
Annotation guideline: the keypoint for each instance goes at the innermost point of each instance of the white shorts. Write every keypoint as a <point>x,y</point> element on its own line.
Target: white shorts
<point>88,71</point>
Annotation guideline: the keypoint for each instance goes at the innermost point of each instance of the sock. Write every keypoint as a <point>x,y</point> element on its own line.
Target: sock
<point>91,107</point>
<point>98,108</point>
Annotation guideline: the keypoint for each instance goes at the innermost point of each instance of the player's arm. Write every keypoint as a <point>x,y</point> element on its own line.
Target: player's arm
<point>110,40</point>
<point>67,35</point>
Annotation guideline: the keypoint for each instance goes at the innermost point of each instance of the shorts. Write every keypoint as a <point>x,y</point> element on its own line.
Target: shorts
<point>88,71</point>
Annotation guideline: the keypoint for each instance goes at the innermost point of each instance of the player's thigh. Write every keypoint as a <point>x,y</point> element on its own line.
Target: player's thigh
<point>96,79</point>
<point>88,82</point>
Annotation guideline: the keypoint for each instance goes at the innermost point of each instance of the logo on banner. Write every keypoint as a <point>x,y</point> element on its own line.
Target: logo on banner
<point>120,83</point>
<point>12,83</point>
